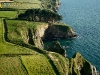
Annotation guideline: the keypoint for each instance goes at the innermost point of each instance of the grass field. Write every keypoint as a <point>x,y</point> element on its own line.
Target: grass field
<point>18,30</point>
<point>61,63</point>
<point>23,4</point>
<point>17,60</point>
<point>63,27</point>
<point>8,48</point>
<point>37,65</point>
<point>11,66</point>
<point>8,14</point>
<point>30,1</point>
<point>28,4</point>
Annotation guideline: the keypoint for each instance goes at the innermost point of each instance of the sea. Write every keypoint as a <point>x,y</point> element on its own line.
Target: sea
<point>84,17</point>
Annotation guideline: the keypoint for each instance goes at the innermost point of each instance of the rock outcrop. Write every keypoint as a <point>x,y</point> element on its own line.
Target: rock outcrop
<point>34,38</point>
<point>58,31</point>
<point>56,6</point>
<point>77,65</point>
<point>50,32</point>
<point>80,66</point>
<point>35,33</point>
<point>56,47</point>
<point>38,34</point>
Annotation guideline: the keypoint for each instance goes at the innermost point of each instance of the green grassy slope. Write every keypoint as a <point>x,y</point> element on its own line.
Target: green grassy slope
<point>18,30</point>
<point>37,65</point>
<point>28,4</point>
<point>11,66</point>
<point>8,14</point>
<point>63,27</point>
<point>61,63</point>
<point>23,4</point>
<point>17,60</point>
<point>10,63</point>
<point>30,1</point>
<point>8,48</point>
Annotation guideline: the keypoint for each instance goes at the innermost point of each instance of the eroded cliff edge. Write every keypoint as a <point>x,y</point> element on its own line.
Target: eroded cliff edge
<point>35,32</point>
<point>77,65</point>
<point>32,33</point>
<point>80,66</point>
<point>24,32</point>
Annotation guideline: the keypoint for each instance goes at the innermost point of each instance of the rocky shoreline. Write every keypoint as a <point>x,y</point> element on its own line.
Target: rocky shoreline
<point>77,65</point>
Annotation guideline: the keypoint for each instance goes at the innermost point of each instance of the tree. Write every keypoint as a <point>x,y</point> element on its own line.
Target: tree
<point>40,15</point>
<point>21,16</point>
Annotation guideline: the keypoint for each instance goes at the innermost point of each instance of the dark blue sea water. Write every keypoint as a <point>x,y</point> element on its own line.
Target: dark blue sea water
<point>84,17</point>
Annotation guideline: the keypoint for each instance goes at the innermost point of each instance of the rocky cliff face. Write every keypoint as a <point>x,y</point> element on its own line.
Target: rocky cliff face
<point>56,47</point>
<point>58,32</point>
<point>34,36</point>
<point>77,65</point>
<point>80,66</point>
<point>34,33</point>
<point>49,32</point>
<point>38,34</point>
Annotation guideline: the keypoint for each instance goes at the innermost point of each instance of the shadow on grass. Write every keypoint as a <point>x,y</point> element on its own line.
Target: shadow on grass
<point>6,31</point>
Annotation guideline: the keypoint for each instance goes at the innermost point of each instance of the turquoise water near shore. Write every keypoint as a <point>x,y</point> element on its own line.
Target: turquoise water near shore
<point>84,17</point>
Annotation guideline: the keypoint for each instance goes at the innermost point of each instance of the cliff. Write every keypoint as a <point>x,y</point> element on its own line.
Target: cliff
<point>33,59</point>
<point>77,65</point>
<point>20,32</point>
<point>25,32</point>
<point>59,31</point>
<point>80,66</point>
<point>56,47</point>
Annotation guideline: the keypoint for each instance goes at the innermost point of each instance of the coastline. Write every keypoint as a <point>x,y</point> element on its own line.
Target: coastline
<point>29,35</point>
